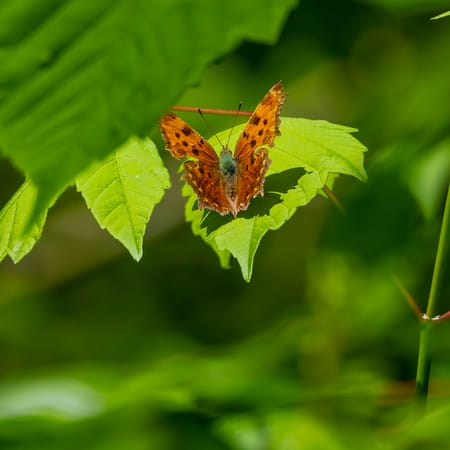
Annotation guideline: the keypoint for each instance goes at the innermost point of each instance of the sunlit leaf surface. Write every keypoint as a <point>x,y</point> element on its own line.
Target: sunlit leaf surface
<point>122,191</point>
<point>303,158</point>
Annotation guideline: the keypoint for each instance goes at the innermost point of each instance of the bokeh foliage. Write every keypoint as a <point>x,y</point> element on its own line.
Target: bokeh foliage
<point>319,351</point>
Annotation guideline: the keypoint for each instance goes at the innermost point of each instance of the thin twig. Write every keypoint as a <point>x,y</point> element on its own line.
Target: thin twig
<point>333,198</point>
<point>411,302</point>
<point>227,112</point>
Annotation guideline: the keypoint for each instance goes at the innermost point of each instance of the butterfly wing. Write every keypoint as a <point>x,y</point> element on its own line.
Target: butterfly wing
<point>252,160</point>
<point>250,181</point>
<point>209,185</point>
<point>202,174</point>
<point>182,140</point>
<point>262,126</point>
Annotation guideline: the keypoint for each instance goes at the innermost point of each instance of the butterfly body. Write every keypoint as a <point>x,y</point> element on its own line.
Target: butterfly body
<point>227,163</point>
<point>228,170</point>
<point>226,184</point>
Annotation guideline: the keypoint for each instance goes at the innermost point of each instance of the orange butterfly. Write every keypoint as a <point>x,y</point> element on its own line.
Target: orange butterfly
<point>226,184</point>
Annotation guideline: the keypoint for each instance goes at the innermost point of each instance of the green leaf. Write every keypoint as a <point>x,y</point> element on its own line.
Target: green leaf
<point>307,155</point>
<point>428,178</point>
<point>78,78</point>
<point>122,191</point>
<point>17,234</point>
<point>195,216</point>
<point>52,397</point>
<point>440,16</point>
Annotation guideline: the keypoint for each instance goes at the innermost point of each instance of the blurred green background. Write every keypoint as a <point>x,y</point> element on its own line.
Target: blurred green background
<point>319,351</point>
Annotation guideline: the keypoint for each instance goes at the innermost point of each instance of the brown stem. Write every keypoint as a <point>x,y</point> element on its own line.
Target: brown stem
<point>227,112</point>
<point>411,302</point>
<point>333,198</point>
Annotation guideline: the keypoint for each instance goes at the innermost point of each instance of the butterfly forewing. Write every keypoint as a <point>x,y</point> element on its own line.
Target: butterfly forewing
<point>182,140</point>
<point>262,126</point>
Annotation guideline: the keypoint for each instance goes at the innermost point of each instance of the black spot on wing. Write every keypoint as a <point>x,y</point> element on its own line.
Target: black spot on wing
<point>186,131</point>
<point>255,120</point>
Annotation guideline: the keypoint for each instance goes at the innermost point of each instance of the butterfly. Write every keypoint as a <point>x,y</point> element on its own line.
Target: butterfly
<point>226,184</point>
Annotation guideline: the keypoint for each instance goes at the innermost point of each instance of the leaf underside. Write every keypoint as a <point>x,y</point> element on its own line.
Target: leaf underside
<point>122,191</point>
<point>17,235</point>
<point>77,78</point>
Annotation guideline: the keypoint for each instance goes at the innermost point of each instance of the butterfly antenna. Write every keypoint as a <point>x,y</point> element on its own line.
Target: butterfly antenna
<point>209,126</point>
<point>234,122</point>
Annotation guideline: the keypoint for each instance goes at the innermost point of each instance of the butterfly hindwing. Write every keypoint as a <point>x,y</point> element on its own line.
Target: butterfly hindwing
<point>250,181</point>
<point>208,184</point>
